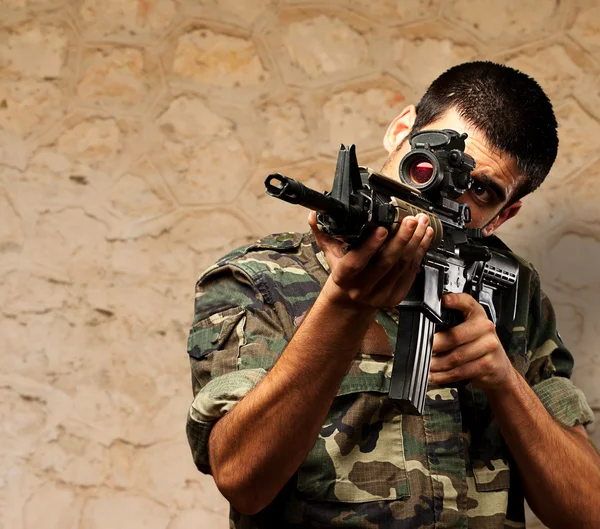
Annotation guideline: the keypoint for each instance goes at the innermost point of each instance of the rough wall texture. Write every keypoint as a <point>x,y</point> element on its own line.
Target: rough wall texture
<point>134,139</point>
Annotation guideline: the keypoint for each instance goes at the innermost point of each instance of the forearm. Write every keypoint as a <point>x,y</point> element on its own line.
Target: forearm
<point>559,468</point>
<point>258,445</point>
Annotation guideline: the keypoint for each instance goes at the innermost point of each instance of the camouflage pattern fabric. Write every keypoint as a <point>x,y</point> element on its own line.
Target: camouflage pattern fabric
<point>370,466</point>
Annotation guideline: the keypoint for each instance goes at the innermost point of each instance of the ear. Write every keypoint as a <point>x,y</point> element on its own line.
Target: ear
<point>399,128</point>
<point>502,217</point>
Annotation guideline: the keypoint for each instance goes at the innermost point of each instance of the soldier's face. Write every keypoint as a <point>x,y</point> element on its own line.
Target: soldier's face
<point>496,175</point>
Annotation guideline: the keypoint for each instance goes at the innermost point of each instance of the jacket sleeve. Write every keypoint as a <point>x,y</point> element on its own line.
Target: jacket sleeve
<point>551,364</point>
<point>234,339</point>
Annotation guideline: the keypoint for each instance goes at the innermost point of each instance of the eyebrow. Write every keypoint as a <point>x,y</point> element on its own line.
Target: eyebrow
<point>495,187</point>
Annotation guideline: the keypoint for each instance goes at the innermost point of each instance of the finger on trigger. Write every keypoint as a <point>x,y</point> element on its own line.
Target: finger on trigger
<point>463,302</point>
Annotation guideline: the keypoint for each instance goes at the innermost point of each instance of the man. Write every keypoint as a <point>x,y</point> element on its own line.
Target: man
<point>291,351</point>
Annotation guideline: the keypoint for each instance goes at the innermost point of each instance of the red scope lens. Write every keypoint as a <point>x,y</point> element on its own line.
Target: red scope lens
<point>421,172</point>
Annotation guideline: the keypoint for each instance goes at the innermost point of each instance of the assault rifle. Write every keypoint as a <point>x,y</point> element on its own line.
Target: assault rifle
<point>433,175</point>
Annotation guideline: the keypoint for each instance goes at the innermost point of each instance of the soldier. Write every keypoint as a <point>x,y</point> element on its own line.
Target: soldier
<point>291,352</point>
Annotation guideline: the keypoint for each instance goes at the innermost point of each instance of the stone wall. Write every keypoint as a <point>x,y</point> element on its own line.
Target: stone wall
<point>134,139</point>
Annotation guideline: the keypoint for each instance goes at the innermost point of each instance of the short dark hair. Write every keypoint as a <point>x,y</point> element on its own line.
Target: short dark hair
<point>508,106</point>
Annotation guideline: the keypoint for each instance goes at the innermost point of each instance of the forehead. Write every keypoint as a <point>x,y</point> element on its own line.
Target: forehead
<point>500,167</point>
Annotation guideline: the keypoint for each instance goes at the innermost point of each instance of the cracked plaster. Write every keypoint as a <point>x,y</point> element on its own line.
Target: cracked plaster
<point>134,139</point>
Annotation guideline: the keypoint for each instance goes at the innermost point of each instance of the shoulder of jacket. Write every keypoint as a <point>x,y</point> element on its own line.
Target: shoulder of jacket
<point>261,255</point>
<point>278,242</point>
<point>274,266</point>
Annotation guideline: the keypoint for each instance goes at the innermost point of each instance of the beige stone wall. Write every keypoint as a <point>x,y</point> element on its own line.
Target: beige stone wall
<point>134,139</point>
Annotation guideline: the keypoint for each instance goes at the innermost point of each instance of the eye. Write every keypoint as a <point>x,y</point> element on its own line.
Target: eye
<point>482,193</point>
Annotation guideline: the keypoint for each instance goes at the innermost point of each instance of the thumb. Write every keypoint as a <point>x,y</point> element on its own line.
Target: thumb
<point>323,240</point>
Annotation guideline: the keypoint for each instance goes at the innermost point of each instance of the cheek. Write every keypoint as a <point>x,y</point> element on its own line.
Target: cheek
<point>480,216</point>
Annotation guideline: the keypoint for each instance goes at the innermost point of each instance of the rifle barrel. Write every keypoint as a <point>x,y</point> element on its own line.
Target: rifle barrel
<point>294,192</point>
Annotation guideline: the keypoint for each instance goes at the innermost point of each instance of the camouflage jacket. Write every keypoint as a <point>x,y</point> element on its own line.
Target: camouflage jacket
<point>370,466</point>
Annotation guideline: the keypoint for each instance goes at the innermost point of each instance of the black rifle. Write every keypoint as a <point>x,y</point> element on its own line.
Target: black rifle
<point>432,176</point>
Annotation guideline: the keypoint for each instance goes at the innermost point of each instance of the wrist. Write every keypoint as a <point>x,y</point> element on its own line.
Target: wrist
<point>346,308</point>
<point>506,386</point>
<point>341,301</point>
<point>338,328</point>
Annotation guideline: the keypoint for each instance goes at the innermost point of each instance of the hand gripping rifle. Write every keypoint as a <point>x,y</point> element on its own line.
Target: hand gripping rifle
<point>433,174</point>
